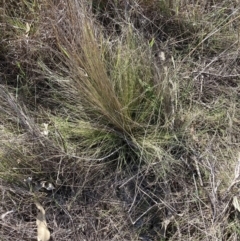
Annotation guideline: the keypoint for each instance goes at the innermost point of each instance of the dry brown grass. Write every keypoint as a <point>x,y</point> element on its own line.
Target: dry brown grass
<point>137,147</point>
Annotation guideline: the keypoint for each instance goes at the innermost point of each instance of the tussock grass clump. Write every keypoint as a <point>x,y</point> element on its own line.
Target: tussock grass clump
<point>120,119</point>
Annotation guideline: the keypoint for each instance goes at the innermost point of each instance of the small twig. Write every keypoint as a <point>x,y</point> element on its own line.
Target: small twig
<point>198,171</point>
<point>136,220</point>
<point>218,75</point>
<point>5,214</point>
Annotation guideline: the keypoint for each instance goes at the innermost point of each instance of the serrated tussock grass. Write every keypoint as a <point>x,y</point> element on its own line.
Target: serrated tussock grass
<point>130,109</point>
<point>114,82</point>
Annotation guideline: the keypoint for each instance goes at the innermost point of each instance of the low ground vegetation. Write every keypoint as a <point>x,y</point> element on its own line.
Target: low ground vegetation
<point>121,118</point>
